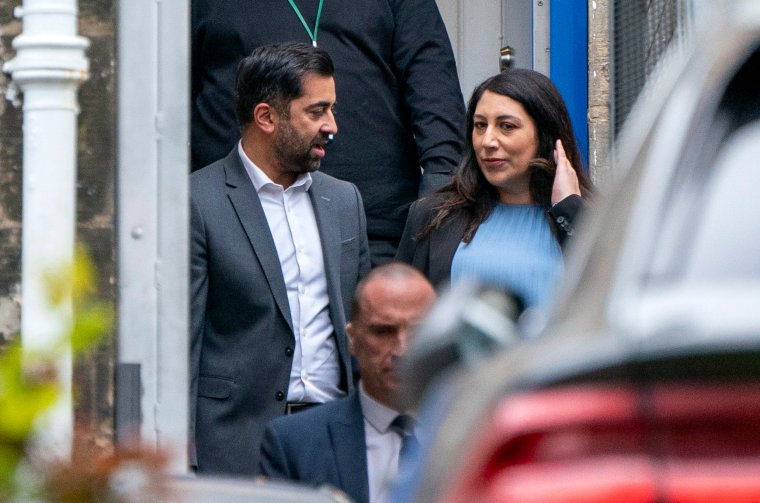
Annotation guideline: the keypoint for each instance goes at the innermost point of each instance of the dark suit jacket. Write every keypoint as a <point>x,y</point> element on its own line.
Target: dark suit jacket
<point>324,445</point>
<point>433,255</point>
<point>241,336</point>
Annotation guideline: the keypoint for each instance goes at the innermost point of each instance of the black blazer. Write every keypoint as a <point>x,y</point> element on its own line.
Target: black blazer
<point>241,336</point>
<point>323,445</point>
<point>433,255</point>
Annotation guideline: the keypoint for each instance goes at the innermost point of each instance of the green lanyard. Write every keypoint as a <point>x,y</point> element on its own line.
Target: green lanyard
<point>312,36</point>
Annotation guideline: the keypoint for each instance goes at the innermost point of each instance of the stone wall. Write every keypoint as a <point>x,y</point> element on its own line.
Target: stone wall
<point>599,92</point>
<point>10,187</point>
<point>93,374</point>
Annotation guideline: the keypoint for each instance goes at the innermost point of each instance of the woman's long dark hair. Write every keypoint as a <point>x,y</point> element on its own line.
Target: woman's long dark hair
<point>470,192</point>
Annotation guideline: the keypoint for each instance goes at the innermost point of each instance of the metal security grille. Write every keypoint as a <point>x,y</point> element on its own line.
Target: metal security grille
<point>641,31</point>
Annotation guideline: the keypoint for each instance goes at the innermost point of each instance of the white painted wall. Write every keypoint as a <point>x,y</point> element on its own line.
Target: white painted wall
<point>474,27</point>
<point>154,216</point>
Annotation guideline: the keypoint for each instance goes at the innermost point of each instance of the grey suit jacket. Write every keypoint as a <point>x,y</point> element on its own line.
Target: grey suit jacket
<point>241,335</point>
<point>324,445</point>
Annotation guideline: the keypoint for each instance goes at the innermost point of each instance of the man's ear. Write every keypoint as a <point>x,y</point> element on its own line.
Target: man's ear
<point>265,117</point>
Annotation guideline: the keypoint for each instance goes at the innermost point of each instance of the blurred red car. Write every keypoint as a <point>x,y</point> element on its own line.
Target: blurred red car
<point>645,384</point>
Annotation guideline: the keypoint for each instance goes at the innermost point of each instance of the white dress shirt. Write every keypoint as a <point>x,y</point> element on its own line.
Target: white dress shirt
<point>383,446</point>
<point>315,373</point>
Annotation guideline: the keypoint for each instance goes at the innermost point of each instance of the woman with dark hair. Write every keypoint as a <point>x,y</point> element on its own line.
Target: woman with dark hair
<point>511,204</point>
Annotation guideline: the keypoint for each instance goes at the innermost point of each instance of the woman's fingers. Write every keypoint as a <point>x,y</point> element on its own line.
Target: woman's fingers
<point>565,179</point>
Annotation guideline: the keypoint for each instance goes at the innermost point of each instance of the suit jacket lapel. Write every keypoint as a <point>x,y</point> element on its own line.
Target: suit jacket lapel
<point>347,437</point>
<point>329,233</point>
<point>443,244</point>
<point>245,200</point>
<point>330,237</point>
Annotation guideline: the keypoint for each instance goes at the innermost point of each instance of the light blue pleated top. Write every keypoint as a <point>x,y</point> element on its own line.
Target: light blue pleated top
<point>514,248</point>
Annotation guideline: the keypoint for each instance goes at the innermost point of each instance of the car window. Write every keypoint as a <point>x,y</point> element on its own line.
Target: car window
<point>710,226</point>
<point>727,224</point>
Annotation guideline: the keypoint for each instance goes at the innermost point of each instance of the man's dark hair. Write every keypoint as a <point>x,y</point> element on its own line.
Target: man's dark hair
<point>274,74</point>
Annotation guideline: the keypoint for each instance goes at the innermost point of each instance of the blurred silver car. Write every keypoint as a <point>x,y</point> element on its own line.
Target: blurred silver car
<point>227,490</point>
<point>645,384</point>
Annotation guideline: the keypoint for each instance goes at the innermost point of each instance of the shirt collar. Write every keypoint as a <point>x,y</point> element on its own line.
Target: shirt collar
<point>375,413</point>
<point>261,180</point>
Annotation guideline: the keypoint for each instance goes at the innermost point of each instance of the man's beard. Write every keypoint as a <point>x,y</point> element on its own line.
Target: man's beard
<point>293,152</point>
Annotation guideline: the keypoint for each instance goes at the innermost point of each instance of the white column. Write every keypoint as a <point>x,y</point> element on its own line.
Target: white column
<point>48,68</point>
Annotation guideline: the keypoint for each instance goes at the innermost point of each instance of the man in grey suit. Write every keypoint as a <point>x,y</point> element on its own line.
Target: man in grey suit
<point>277,250</point>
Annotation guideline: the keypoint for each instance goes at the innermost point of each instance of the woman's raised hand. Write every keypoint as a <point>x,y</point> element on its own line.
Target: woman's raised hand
<point>565,180</point>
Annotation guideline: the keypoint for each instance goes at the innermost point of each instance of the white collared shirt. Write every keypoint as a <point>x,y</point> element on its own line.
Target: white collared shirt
<point>383,446</point>
<point>315,373</point>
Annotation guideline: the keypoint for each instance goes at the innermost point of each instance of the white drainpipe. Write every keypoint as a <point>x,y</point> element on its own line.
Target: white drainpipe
<point>49,66</point>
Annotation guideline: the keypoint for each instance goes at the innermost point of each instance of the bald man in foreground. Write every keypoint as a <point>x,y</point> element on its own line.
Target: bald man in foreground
<point>355,443</point>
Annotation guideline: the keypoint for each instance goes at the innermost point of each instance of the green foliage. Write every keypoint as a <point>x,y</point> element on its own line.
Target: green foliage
<point>24,392</point>
<point>29,382</point>
<point>92,318</point>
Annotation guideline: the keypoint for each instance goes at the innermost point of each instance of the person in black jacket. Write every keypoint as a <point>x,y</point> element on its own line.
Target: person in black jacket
<point>514,199</point>
<point>398,97</point>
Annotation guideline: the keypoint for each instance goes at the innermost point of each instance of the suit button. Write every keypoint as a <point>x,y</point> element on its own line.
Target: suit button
<point>279,396</point>
<point>288,351</point>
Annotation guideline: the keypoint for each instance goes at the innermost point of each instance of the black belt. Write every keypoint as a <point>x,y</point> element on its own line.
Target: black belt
<point>293,407</point>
